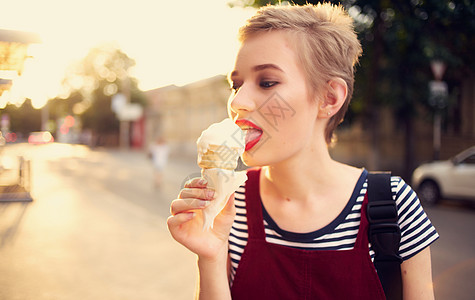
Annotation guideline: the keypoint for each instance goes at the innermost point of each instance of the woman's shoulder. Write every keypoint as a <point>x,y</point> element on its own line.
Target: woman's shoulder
<point>401,191</point>
<point>398,185</point>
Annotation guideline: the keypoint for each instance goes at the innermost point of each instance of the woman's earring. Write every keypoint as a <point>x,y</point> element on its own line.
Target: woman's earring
<point>328,113</point>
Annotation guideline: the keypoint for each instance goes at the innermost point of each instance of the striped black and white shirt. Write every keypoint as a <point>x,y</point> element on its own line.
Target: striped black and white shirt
<point>417,231</point>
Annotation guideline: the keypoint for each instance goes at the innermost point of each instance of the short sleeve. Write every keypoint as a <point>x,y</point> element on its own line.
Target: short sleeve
<point>417,232</point>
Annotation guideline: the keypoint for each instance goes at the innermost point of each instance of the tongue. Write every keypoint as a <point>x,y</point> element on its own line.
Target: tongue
<point>252,134</point>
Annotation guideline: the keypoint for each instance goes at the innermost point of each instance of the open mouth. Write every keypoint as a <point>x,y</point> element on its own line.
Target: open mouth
<point>253,133</point>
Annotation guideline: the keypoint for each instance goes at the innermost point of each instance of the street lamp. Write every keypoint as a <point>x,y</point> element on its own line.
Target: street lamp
<point>438,100</point>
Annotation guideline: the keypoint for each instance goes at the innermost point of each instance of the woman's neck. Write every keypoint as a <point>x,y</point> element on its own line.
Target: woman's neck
<point>306,175</point>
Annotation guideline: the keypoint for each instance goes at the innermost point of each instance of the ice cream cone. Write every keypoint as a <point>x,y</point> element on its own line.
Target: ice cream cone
<point>219,156</point>
<point>224,183</point>
<point>218,153</point>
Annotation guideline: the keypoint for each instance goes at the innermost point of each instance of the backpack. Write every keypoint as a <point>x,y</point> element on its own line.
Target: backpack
<point>384,233</point>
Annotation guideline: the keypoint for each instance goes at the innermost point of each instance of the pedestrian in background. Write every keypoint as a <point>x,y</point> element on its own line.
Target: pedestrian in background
<point>297,229</point>
<point>159,152</point>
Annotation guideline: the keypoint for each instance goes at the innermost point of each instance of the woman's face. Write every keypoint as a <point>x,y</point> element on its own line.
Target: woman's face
<point>270,100</point>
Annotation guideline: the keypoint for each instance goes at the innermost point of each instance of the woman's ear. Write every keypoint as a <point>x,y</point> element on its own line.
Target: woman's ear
<point>333,98</point>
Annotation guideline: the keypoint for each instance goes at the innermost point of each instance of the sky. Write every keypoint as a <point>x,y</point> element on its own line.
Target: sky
<point>172,42</point>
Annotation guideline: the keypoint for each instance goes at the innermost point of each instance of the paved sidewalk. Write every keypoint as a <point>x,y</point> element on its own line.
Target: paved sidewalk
<point>95,230</point>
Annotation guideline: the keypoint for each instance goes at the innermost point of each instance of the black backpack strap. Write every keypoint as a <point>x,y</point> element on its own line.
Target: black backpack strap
<point>384,233</point>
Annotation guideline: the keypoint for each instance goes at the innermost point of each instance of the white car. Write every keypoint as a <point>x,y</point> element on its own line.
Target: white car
<point>450,179</point>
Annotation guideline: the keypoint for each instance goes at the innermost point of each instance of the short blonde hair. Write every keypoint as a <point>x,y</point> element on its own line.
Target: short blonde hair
<point>326,44</point>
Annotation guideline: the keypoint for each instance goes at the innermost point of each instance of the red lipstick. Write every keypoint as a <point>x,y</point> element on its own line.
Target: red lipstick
<point>253,132</point>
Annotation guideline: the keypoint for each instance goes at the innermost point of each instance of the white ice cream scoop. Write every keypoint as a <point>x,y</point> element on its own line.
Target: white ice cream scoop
<point>219,148</point>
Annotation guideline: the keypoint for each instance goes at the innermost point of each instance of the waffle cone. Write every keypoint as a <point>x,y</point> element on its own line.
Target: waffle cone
<point>209,164</point>
<point>219,156</point>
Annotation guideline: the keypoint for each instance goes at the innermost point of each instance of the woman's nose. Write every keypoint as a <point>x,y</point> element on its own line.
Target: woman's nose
<point>241,101</point>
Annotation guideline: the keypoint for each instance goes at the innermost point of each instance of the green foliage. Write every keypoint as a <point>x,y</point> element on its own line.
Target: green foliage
<point>400,43</point>
<point>100,117</point>
<point>59,107</point>
<point>104,72</point>
<point>23,119</point>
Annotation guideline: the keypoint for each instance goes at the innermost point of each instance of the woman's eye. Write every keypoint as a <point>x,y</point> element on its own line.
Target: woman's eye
<point>267,84</point>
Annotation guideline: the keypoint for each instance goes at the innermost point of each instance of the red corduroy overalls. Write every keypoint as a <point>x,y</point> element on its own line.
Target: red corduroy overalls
<point>271,271</point>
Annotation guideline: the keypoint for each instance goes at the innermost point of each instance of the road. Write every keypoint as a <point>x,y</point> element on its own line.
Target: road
<point>97,230</point>
<point>453,254</point>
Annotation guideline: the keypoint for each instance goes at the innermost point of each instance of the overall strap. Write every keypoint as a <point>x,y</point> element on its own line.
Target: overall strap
<point>255,223</point>
<point>384,233</point>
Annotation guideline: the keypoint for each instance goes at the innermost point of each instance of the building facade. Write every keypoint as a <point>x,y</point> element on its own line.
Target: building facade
<point>180,114</point>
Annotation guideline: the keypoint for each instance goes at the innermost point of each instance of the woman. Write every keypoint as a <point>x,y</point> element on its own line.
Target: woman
<point>159,152</point>
<point>300,231</point>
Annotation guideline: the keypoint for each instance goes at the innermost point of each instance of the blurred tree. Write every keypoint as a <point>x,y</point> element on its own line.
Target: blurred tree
<point>59,107</point>
<point>399,40</point>
<point>23,119</point>
<point>94,80</point>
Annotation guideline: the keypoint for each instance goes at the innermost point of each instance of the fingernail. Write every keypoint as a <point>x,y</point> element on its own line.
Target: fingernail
<point>209,194</point>
<point>202,181</point>
<point>203,203</point>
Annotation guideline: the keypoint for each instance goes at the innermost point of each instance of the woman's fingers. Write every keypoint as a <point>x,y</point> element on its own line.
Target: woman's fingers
<point>182,205</point>
<point>196,188</point>
<point>197,182</point>
<point>176,220</point>
<point>194,196</point>
<point>196,193</point>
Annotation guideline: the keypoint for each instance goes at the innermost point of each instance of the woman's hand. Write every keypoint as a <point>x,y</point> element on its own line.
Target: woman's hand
<point>186,222</point>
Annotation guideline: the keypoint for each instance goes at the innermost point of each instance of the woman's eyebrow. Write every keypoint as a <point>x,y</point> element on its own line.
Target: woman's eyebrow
<point>256,69</point>
<point>267,66</point>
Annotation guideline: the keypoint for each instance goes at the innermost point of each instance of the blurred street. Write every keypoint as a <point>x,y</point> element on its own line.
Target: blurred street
<point>453,254</point>
<point>96,229</point>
